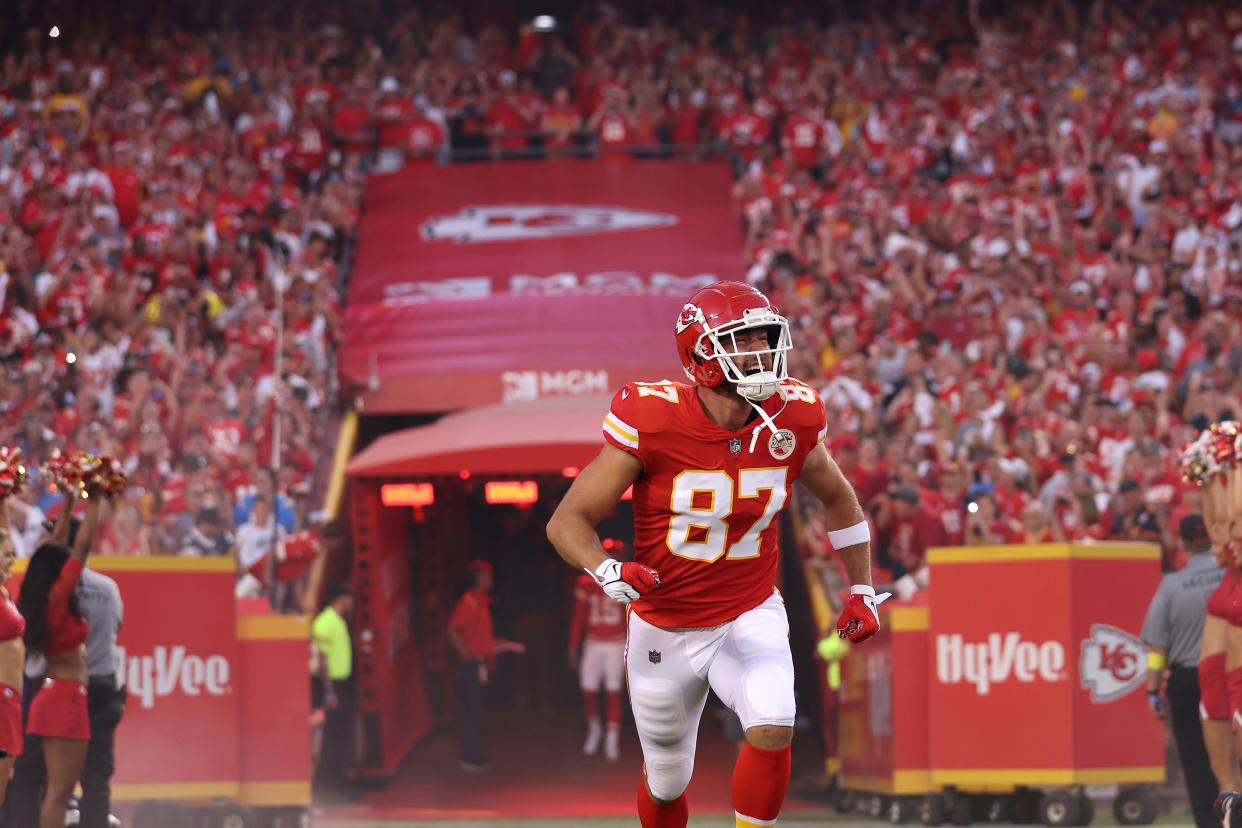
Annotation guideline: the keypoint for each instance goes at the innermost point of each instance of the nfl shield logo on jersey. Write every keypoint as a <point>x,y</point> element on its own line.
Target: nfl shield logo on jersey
<point>735,445</point>
<point>653,656</point>
<point>782,444</point>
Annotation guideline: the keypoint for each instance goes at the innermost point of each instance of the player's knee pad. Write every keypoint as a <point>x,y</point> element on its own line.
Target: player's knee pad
<point>659,711</point>
<point>768,695</point>
<point>668,774</point>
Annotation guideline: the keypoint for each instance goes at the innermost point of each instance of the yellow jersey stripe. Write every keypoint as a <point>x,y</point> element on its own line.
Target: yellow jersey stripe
<point>621,425</point>
<point>612,431</point>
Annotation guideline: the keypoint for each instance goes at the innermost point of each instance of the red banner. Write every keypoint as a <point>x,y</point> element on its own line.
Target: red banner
<point>483,283</point>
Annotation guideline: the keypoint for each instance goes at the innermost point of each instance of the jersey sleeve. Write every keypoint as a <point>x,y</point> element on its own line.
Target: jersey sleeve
<point>806,408</point>
<point>621,423</point>
<point>821,417</point>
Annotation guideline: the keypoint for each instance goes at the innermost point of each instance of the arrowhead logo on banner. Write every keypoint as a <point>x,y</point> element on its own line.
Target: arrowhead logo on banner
<point>1113,663</point>
<point>520,222</point>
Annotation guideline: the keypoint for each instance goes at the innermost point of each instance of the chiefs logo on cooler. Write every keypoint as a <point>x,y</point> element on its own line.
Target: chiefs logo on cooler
<point>522,222</point>
<point>1112,664</point>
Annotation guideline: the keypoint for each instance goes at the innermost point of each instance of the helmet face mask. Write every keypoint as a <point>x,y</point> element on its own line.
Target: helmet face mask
<point>708,331</point>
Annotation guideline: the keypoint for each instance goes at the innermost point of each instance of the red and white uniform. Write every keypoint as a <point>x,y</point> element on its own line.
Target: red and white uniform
<point>706,502</point>
<point>705,508</point>
<point>1213,682</point>
<point>602,621</point>
<point>1233,679</point>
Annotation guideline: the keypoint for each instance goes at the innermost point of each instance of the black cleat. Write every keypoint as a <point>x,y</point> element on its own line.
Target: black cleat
<point>1228,808</point>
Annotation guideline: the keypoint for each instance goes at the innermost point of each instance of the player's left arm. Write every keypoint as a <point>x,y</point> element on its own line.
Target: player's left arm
<point>822,476</point>
<point>850,537</point>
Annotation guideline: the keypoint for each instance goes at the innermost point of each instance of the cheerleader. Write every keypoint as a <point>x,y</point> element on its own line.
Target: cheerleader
<point>12,626</point>
<point>56,628</point>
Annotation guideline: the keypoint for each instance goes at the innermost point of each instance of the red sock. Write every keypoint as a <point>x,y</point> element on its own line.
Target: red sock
<point>674,814</point>
<point>590,704</point>
<point>614,709</point>
<point>760,778</point>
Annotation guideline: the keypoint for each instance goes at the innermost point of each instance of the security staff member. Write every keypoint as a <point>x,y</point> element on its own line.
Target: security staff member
<point>331,632</point>
<point>1172,632</point>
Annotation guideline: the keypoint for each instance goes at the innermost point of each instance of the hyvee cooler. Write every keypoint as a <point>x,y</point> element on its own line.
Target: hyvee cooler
<point>1037,670</point>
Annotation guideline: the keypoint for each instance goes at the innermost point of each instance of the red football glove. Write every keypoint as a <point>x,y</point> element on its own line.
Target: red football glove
<point>625,582</point>
<point>860,619</point>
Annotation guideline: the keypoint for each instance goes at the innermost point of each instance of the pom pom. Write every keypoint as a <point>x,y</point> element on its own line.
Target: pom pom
<point>12,471</point>
<point>1212,453</point>
<point>84,472</point>
<point>55,470</point>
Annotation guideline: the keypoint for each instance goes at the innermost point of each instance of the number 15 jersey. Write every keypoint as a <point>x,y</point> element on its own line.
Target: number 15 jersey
<point>707,499</point>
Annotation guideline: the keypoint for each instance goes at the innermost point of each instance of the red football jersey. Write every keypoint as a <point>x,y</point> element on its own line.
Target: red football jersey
<point>595,614</point>
<point>706,502</point>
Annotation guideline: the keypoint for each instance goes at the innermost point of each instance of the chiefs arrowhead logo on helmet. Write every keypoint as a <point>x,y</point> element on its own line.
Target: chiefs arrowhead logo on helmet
<point>690,313</point>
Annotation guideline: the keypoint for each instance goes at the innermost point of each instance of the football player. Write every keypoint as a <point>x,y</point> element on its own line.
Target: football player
<point>597,652</point>
<point>711,464</point>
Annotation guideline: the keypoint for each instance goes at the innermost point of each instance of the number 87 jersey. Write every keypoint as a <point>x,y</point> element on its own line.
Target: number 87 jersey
<point>707,499</point>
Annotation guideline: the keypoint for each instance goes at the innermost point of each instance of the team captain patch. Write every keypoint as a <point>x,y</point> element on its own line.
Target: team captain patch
<point>782,443</point>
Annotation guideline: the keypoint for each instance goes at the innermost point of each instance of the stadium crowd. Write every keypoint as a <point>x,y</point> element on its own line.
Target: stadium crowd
<point>1007,238</point>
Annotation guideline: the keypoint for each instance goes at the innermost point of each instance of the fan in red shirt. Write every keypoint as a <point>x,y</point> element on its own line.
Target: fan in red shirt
<point>422,138</point>
<point>602,622</point>
<point>392,112</point>
<point>1074,322</point>
<point>561,121</point>
<point>1036,527</point>
<point>126,181</point>
<point>803,138</point>
<point>351,124</point>
<point>508,119</point>
<point>612,122</point>
<point>916,527</point>
<point>952,486</point>
<point>711,465</point>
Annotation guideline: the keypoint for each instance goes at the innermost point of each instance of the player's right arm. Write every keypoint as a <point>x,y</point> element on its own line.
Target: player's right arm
<point>597,489</point>
<point>594,493</point>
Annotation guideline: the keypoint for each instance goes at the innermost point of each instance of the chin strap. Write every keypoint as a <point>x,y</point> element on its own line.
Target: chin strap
<point>764,420</point>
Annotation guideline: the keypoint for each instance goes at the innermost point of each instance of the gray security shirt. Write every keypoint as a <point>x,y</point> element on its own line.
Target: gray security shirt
<point>1175,617</point>
<point>99,599</point>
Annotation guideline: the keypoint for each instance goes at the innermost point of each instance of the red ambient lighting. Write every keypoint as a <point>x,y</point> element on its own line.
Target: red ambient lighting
<point>570,471</point>
<point>511,491</point>
<point>407,494</point>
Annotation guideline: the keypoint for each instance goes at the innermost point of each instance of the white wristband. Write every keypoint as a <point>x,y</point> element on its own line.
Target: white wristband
<point>850,536</point>
<point>862,589</point>
<point>599,572</point>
